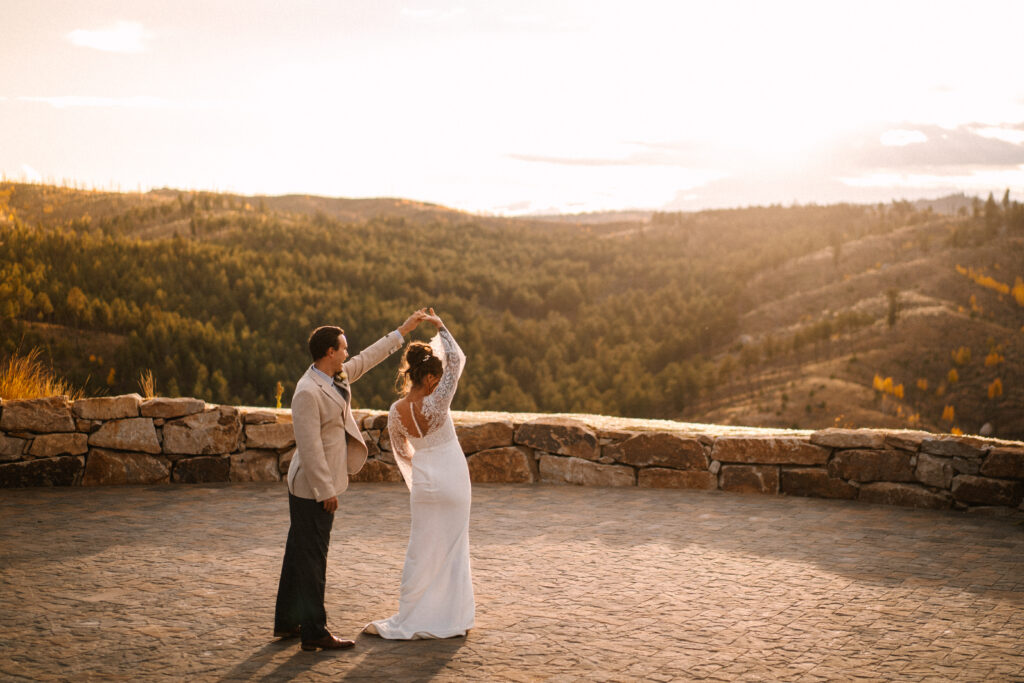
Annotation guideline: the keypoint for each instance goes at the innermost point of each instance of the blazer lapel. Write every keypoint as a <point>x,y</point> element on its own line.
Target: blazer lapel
<point>328,388</point>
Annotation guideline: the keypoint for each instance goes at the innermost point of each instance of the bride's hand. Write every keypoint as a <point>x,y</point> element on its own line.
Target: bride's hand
<point>433,318</point>
<point>412,322</point>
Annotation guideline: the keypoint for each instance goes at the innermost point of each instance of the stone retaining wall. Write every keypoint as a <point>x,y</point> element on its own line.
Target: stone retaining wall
<point>129,440</point>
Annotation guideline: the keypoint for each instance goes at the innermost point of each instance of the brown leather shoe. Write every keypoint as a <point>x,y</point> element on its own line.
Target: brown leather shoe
<point>294,633</point>
<point>328,642</point>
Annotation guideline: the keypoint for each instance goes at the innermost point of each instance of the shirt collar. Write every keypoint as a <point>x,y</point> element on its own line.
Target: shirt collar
<point>322,373</point>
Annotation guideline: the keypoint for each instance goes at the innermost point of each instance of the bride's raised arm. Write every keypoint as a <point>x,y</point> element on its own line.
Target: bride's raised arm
<point>453,360</point>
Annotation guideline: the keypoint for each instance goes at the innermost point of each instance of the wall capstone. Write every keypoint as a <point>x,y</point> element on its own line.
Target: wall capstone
<point>561,436</point>
<point>172,407</point>
<point>39,415</point>
<point>107,407</point>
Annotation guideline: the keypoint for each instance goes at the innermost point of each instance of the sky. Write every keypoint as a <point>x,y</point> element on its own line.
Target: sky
<point>516,107</point>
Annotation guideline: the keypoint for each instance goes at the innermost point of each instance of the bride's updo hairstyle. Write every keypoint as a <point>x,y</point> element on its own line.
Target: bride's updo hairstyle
<point>418,363</point>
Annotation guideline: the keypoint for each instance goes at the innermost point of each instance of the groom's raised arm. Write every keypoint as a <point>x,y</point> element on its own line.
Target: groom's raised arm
<point>356,366</point>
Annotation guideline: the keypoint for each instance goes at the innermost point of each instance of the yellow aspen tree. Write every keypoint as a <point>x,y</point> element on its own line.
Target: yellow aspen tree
<point>996,388</point>
<point>1018,291</point>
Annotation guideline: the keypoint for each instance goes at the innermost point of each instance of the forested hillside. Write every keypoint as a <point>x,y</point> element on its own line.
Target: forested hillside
<point>919,323</point>
<point>674,316</point>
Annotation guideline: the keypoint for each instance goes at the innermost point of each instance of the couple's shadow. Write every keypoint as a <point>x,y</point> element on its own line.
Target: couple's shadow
<point>372,658</point>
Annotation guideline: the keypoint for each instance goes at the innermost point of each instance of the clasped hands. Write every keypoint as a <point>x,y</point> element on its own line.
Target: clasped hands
<point>413,321</point>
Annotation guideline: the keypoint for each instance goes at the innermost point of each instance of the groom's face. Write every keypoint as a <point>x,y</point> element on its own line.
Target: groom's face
<point>339,354</point>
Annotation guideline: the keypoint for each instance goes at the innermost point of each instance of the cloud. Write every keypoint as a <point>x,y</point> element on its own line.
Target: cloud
<point>977,180</point>
<point>902,138</point>
<point>877,163</point>
<point>958,147</point>
<point>575,161</point>
<point>973,157</point>
<point>124,36</point>
<point>1014,135</point>
<point>135,102</point>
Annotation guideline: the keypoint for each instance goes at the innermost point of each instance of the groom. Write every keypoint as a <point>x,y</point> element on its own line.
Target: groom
<point>328,448</point>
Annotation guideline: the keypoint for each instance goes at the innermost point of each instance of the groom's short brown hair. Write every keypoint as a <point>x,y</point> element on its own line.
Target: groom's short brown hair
<point>323,339</point>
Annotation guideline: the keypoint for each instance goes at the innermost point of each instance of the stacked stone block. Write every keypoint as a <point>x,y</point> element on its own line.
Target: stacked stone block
<point>130,440</point>
<point>894,467</point>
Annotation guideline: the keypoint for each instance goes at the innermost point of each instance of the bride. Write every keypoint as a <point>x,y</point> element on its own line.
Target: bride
<point>436,598</point>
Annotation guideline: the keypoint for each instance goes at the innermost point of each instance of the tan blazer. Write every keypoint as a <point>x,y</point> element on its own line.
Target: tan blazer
<point>329,443</point>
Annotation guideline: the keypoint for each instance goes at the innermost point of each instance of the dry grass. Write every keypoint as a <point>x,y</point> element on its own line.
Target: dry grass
<point>146,384</point>
<point>25,376</point>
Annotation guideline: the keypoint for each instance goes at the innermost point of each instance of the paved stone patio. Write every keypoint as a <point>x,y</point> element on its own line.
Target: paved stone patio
<point>178,583</point>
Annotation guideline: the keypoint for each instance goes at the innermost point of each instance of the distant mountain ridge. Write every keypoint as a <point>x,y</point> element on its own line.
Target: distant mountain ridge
<point>950,204</point>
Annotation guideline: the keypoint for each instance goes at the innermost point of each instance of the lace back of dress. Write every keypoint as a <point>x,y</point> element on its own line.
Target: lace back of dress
<point>437,428</point>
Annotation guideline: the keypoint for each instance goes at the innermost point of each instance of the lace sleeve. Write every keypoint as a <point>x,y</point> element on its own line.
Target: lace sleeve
<point>400,446</point>
<point>436,405</point>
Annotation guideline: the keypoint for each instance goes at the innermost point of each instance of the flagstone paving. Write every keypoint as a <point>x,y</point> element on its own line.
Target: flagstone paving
<point>178,583</point>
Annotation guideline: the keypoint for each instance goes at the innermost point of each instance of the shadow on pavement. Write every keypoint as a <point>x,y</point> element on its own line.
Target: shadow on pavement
<point>423,659</point>
<point>296,665</point>
<point>250,668</point>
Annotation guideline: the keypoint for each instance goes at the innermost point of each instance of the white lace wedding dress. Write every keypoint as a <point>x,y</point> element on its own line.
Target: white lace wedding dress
<point>437,589</point>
